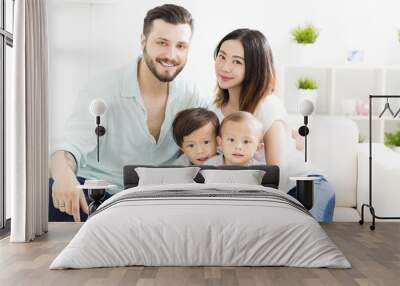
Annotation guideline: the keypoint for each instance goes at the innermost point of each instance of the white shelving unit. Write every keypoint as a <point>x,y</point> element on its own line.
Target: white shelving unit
<point>348,85</point>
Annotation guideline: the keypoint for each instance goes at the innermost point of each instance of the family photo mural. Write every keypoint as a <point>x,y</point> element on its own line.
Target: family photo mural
<point>156,86</point>
<point>152,116</point>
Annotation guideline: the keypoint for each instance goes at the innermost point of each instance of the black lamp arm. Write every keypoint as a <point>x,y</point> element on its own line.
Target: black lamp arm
<point>303,131</point>
<point>100,131</point>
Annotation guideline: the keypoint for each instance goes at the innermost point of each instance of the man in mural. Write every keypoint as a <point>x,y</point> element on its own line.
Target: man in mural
<point>142,99</point>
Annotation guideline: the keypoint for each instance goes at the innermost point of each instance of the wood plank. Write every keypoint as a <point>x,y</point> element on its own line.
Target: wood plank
<point>374,255</point>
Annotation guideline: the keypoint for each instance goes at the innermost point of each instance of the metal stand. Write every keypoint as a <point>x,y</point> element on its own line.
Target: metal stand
<point>370,206</point>
<point>97,197</point>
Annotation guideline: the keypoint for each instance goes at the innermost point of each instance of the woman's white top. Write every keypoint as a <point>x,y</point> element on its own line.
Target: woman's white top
<point>269,110</point>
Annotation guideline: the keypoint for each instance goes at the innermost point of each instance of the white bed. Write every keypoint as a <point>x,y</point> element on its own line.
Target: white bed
<point>201,224</point>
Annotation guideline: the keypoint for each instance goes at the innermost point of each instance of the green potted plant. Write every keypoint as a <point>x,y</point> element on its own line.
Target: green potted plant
<point>304,38</point>
<point>307,89</point>
<point>305,35</point>
<point>307,83</point>
<point>392,140</point>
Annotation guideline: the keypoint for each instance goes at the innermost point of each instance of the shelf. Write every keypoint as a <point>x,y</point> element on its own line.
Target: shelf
<point>363,117</point>
<point>352,66</point>
<point>343,88</point>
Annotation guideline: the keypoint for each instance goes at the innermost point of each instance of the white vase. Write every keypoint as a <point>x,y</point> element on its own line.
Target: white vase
<point>306,54</point>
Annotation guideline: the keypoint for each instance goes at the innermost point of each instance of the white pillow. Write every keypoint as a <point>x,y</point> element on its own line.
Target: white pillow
<point>163,176</point>
<point>248,177</point>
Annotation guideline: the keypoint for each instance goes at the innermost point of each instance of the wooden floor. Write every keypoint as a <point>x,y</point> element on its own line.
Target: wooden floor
<point>374,255</point>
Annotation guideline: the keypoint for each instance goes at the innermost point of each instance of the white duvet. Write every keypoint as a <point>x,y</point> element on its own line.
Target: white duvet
<point>205,230</point>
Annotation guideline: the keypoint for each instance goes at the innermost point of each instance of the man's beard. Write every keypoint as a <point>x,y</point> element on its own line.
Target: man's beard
<point>152,67</point>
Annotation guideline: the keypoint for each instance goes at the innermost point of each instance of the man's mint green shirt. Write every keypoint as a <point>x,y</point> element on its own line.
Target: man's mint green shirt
<point>127,139</point>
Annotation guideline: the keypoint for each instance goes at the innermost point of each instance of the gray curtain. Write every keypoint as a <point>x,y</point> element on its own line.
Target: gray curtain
<point>27,120</point>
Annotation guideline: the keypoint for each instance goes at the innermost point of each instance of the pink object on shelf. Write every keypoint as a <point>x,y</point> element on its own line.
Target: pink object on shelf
<point>362,107</point>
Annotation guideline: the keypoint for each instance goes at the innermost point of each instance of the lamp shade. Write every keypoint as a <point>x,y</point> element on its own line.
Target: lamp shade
<point>97,107</point>
<point>306,107</point>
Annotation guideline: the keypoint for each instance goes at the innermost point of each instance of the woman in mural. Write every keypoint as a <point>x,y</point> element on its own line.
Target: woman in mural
<point>246,81</point>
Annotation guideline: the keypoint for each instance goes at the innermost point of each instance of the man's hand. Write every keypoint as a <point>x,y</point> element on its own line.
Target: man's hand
<point>67,198</point>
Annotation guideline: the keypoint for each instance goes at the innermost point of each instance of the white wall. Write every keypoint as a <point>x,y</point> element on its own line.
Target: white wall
<point>88,37</point>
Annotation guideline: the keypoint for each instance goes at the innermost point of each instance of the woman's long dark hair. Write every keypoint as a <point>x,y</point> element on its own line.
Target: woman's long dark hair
<point>259,78</point>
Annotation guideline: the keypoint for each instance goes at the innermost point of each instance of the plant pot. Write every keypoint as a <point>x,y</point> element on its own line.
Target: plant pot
<point>306,54</point>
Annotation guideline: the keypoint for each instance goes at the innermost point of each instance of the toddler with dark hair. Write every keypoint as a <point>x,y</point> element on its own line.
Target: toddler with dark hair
<point>195,131</point>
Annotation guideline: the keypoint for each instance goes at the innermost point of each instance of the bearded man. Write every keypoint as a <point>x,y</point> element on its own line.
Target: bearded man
<point>142,99</point>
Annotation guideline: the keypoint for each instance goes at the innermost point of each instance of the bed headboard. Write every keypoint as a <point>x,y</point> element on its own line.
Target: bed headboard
<point>270,179</point>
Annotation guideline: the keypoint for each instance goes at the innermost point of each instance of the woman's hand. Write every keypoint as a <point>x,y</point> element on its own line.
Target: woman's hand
<point>299,140</point>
